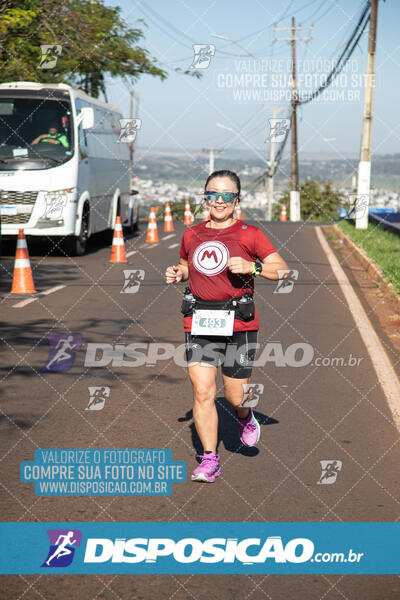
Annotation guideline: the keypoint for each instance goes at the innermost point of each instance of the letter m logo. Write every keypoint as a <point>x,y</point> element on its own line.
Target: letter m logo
<point>207,254</point>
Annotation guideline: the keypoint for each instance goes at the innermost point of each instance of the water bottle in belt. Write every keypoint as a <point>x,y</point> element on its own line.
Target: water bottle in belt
<point>245,310</point>
<point>188,302</point>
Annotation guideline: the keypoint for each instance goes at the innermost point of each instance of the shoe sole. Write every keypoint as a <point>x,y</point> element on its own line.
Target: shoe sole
<point>258,436</point>
<point>203,477</point>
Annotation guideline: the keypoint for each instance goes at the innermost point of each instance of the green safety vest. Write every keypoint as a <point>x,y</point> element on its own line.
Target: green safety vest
<point>61,137</point>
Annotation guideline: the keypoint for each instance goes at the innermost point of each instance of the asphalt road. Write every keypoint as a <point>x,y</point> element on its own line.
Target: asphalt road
<point>307,413</point>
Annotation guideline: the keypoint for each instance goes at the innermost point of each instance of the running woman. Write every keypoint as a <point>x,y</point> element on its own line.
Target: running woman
<point>220,258</point>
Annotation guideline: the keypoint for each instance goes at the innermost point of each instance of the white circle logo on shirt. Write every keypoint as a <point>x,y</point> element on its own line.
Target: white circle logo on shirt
<point>210,258</point>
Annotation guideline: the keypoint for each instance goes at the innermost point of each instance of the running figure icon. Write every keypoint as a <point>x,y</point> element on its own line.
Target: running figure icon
<point>63,545</point>
<point>62,549</point>
<point>63,347</point>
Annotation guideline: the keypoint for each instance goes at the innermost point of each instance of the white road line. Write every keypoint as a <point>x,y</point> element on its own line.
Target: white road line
<point>45,293</point>
<point>383,367</point>
<point>128,254</point>
<point>173,245</point>
<point>148,245</point>
<point>24,303</point>
<point>53,289</point>
<point>167,237</point>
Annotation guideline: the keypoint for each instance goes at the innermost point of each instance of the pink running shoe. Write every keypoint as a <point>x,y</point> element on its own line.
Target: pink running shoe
<point>208,469</point>
<point>249,430</point>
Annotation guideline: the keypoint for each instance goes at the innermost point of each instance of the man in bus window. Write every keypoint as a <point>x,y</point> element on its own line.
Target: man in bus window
<point>53,137</point>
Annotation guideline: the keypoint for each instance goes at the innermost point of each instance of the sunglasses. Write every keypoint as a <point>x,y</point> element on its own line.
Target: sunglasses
<point>227,197</point>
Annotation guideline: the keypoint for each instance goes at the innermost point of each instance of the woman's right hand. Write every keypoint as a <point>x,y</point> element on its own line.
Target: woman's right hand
<point>174,274</point>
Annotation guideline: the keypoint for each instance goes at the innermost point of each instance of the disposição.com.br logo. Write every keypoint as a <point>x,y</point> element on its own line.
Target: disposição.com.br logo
<point>62,547</point>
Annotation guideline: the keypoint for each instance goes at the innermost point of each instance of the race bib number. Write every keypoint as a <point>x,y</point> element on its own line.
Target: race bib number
<point>213,322</point>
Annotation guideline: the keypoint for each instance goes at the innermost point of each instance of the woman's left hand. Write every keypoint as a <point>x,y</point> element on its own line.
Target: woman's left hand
<point>237,264</point>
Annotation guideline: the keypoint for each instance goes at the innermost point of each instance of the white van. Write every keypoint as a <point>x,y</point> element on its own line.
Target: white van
<point>63,171</point>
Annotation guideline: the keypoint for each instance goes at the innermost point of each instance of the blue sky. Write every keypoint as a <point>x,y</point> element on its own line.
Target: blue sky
<point>182,112</point>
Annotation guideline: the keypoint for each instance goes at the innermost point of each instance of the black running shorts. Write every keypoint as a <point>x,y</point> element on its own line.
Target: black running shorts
<point>235,352</point>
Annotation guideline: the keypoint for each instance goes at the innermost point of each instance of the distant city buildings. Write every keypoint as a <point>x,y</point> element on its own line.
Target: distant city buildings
<point>160,192</point>
<point>385,199</point>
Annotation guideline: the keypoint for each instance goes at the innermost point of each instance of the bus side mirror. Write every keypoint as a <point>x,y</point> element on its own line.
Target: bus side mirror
<point>86,117</point>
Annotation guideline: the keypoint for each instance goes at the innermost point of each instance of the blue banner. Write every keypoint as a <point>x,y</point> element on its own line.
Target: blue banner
<point>211,548</point>
<point>103,472</point>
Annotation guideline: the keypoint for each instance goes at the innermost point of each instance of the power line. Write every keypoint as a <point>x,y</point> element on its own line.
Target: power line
<point>161,28</point>
<point>167,23</point>
<point>316,11</point>
<point>346,32</point>
<point>276,21</point>
<point>156,19</point>
<point>278,157</point>
<point>242,127</point>
<point>271,173</point>
<point>324,13</point>
<point>347,52</point>
<point>345,55</point>
<point>266,27</point>
<point>342,60</point>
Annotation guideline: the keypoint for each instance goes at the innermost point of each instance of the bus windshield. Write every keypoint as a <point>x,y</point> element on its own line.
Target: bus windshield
<point>35,133</point>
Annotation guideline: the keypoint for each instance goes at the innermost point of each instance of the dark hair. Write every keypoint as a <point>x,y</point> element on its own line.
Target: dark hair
<point>224,173</point>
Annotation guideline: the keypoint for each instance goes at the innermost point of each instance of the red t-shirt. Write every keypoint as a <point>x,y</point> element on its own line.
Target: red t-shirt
<point>207,251</point>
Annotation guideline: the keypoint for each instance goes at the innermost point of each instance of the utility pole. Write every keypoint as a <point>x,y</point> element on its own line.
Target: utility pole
<point>294,192</point>
<point>270,194</point>
<point>131,106</point>
<point>364,166</point>
<point>271,166</point>
<point>211,158</point>
<point>269,187</point>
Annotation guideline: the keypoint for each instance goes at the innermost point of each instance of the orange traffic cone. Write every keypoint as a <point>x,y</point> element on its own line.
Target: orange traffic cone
<point>168,224</point>
<point>22,277</point>
<point>283,213</point>
<point>118,254</point>
<point>187,219</point>
<point>238,212</point>
<point>152,233</point>
<point>206,213</point>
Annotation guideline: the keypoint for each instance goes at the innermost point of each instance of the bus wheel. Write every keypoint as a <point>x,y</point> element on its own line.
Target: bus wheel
<point>76,245</point>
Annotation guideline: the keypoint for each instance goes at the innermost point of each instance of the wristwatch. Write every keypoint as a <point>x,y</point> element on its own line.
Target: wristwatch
<point>257,268</point>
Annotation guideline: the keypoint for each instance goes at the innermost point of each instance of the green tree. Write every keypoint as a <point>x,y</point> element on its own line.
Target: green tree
<point>178,210</point>
<point>318,201</point>
<point>95,42</point>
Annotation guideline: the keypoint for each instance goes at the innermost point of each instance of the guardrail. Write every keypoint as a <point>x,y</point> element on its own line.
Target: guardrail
<point>388,220</point>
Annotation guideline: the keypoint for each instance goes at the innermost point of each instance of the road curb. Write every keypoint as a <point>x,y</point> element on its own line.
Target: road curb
<point>372,269</point>
<point>381,362</point>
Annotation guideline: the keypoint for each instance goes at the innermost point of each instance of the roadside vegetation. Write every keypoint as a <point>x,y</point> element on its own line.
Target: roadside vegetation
<point>319,202</point>
<point>383,247</point>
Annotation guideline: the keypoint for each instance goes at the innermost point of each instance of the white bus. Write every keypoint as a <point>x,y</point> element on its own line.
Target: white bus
<point>64,174</point>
